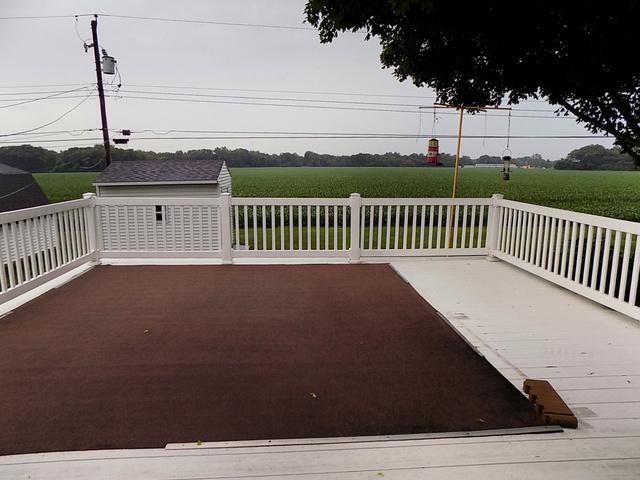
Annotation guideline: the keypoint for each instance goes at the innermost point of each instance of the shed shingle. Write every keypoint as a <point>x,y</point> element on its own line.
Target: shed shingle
<point>143,171</point>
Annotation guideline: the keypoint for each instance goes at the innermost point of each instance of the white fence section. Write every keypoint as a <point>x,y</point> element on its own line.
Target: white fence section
<point>597,257</point>
<point>280,227</point>
<point>424,226</point>
<point>165,227</point>
<point>37,244</point>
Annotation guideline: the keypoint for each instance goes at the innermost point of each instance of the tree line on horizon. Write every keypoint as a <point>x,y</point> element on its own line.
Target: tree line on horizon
<point>91,159</point>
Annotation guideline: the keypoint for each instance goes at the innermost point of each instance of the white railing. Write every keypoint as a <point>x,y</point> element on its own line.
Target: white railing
<point>597,257</point>
<point>278,227</point>
<point>37,244</point>
<point>424,226</point>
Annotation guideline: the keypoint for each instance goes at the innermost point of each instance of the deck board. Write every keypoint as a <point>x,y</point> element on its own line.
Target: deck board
<point>499,309</point>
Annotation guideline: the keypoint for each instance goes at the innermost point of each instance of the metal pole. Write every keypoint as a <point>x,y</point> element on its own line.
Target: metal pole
<point>455,166</point>
<point>454,187</point>
<point>103,108</point>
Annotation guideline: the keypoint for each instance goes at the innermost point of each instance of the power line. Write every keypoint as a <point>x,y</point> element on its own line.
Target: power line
<point>289,99</point>
<point>52,121</point>
<point>323,107</point>
<point>166,19</point>
<point>54,95</point>
<point>324,136</point>
<point>261,90</point>
<point>45,85</point>
<point>309,92</point>
<point>211,22</point>
<point>46,17</point>
<point>39,93</point>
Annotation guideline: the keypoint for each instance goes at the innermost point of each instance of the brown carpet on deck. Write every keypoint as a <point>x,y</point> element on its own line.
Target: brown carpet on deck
<point>141,356</point>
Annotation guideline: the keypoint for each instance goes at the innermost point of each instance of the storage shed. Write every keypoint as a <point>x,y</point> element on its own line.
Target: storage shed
<point>164,178</point>
<point>18,189</point>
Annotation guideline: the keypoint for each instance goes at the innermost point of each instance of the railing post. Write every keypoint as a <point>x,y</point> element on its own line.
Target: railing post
<point>493,226</point>
<point>355,202</point>
<point>90,219</point>
<point>225,228</point>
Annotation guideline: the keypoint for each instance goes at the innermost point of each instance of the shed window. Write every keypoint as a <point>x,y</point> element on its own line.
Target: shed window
<point>159,213</point>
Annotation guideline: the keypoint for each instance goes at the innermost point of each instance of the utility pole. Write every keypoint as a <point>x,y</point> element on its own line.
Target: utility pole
<point>103,108</point>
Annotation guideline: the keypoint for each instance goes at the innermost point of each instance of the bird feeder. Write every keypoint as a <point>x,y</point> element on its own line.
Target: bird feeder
<point>506,166</point>
<point>108,64</point>
<point>433,153</point>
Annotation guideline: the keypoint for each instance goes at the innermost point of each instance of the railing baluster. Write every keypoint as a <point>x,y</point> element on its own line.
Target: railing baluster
<point>622,288</point>
<point>264,227</point>
<point>309,224</point>
<point>326,227</point>
<point>9,260</point>
<point>23,252</point>
<point>422,213</point>
<point>635,273</point>
<point>565,247</point>
<point>447,234</point>
<point>335,227</point>
<point>300,232</point>
<point>587,257</point>
<point>533,238</point>
<point>405,227</point>
<point>605,261</point>
<point>396,233</point>
<point>371,224</point>
<point>388,239</point>
<point>291,228</point>
<point>557,251</point>
<point>539,240</point>
<point>596,259</point>
<point>245,223</point>
<point>317,227</point>
<point>439,229</point>
<point>432,210</point>
<point>572,249</point>
<point>344,228</point>
<point>414,221</point>
<point>614,264</point>
<point>282,227</point>
<point>273,224</point>
<point>380,215</point>
<point>578,271</point>
<point>15,274</point>
<point>456,216</point>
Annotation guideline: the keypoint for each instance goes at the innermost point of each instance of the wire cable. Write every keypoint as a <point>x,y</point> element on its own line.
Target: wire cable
<point>57,119</point>
<point>289,99</point>
<point>44,98</point>
<point>209,22</point>
<point>323,107</point>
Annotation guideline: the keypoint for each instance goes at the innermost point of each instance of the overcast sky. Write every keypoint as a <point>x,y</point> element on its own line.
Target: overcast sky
<point>226,59</point>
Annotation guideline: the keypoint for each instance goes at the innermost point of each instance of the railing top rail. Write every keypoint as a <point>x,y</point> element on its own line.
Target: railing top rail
<point>25,213</point>
<point>586,218</point>
<point>149,201</point>
<point>289,201</point>
<point>427,201</point>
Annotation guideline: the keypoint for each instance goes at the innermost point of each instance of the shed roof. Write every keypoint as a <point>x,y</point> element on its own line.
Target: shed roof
<point>160,171</point>
<point>18,189</point>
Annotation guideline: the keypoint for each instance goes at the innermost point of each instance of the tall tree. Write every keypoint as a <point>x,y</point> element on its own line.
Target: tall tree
<point>578,55</point>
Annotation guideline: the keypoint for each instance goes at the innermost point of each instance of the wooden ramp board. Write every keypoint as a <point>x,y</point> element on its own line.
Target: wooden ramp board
<point>548,404</point>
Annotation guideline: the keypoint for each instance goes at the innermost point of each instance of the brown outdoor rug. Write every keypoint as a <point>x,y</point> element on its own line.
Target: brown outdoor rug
<point>142,356</point>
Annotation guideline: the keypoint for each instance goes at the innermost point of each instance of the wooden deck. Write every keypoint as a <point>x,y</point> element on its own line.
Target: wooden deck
<point>525,326</point>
